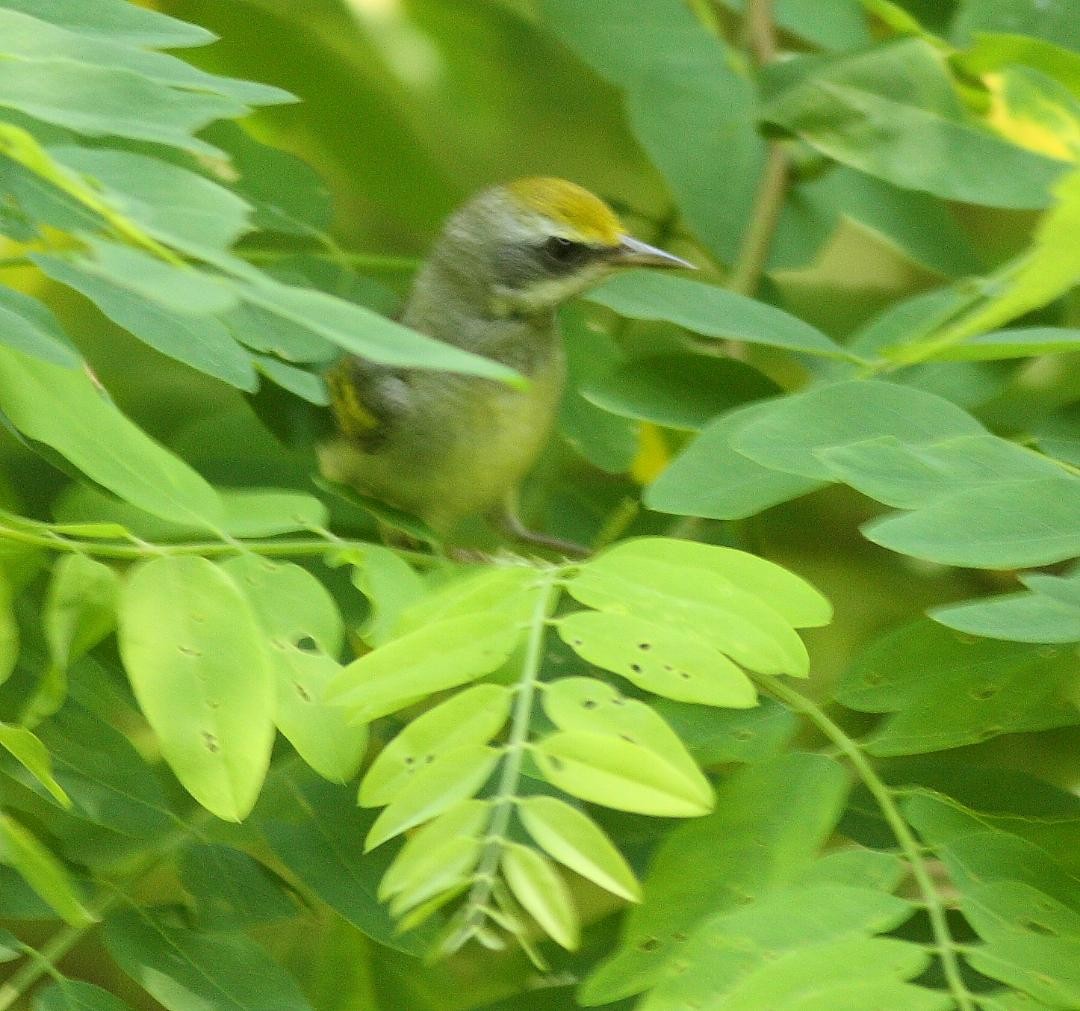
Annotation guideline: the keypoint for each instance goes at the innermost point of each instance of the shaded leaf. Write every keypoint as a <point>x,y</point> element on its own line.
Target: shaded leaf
<point>48,877</point>
<point>28,326</point>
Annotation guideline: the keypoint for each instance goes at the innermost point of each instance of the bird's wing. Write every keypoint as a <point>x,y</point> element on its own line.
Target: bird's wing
<point>368,400</point>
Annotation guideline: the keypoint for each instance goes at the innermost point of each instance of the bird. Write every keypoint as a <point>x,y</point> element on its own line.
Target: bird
<point>445,446</point>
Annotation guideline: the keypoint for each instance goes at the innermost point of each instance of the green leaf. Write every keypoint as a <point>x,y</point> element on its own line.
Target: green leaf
<point>943,690</point>
<point>75,995</point>
<point>892,112</point>
<point>195,656</point>
<point>171,203</point>
<point>678,390</point>
<point>1053,20</point>
<point>574,839</point>
<point>689,106</point>
<point>28,326</point>
<point>437,856</point>
<point>9,630</point>
<point>28,750</point>
<point>712,311</point>
<point>198,340</point>
<point>1031,524</point>
<point>496,588</point>
<point>1048,612</point>
<point>303,635</point>
<point>79,609</point>
<point>232,890</point>
<point>388,582</point>
<point>64,410</point>
<point>364,332</point>
<point>542,892</point>
<point>792,433</point>
<point>441,655</point>
<point>770,821</point>
<point>20,850</point>
<point>648,579</point>
<point>608,770</point>
<point>1018,343</point>
<point>320,841</point>
<point>657,658</point>
<point>910,476</point>
<point>456,775</point>
<point>730,735</point>
<point>182,968</point>
<point>470,717</point>
<point>710,479</point>
<point>117,20</point>
<point>591,706</point>
<point>1024,905</point>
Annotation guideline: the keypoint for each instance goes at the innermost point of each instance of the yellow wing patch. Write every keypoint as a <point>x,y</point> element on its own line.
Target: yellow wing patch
<point>353,418</point>
<point>585,215</point>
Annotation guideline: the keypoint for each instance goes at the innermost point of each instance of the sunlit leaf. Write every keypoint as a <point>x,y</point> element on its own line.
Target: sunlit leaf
<point>574,839</point>
<point>42,871</point>
<point>195,656</point>
<point>543,893</point>
<point>80,607</point>
<point>28,750</point>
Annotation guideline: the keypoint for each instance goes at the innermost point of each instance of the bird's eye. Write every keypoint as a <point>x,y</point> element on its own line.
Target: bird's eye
<point>565,252</point>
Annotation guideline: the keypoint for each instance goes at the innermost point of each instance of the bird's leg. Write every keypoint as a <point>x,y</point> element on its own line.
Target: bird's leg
<point>510,523</point>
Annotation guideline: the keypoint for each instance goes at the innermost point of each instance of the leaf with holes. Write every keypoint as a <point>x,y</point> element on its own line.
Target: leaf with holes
<point>574,839</point>
<point>303,636</point>
<point>536,884</point>
<point>944,690</point>
<point>643,581</point>
<point>194,653</point>
<point>618,773</point>
<point>652,656</point>
<point>453,776</point>
<point>473,716</point>
<point>441,655</point>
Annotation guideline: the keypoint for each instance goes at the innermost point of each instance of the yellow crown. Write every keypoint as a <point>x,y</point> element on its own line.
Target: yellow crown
<point>587,217</point>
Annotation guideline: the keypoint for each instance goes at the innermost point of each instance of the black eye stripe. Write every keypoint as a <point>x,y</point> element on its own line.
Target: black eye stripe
<point>562,253</point>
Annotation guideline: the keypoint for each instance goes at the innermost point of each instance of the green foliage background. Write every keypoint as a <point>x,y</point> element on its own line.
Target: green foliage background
<point>579,784</point>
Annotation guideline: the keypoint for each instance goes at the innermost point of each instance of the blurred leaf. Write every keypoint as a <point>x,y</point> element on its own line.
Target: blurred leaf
<point>231,889</point>
<point>9,630</point>
<point>710,479</point>
<point>470,717</point>
<point>48,877</point>
<point>1017,525</point>
<point>1049,269</point>
<point>769,822</point>
<point>1014,344</point>
<point>536,884</point>
<point>668,662</point>
<point>678,390</point>
<point>196,338</point>
<point>943,690</point>
<point>303,635</point>
<point>80,607</point>
<point>171,203</point>
<point>689,106</point>
<point>1058,434</point>
<point>891,112</point>
<point>198,666</point>
<point>28,750</point>
<point>183,968</point>
<point>117,20</point>
<point>710,310</point>
<point>451,777</point>
<point>606,769</point>
<point>29,327</point>
<point>1022,903</point>
<point>574,839</point>
<point>1052,20</point>
<point>441,655</point>
<point>64,410</point>
<point>75,995</point>
<point>389,584</point>
<point>322,844</point>
<point>730,735</point>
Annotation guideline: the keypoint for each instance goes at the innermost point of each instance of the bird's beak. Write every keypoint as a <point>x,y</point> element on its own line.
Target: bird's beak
<point>631,252</point>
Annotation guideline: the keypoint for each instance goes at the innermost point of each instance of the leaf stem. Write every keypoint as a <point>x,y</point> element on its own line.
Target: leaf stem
<point>363,262</point>
<point>50,540</point>
<point>43,961</point>
<point>502,803</point>
<point>749,265</point>
<point>909,845</point>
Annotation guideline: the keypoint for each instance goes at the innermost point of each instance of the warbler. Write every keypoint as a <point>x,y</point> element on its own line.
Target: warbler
<point>445,446</point>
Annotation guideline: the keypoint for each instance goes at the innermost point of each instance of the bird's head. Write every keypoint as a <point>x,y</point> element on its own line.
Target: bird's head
<point>529,245</point>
